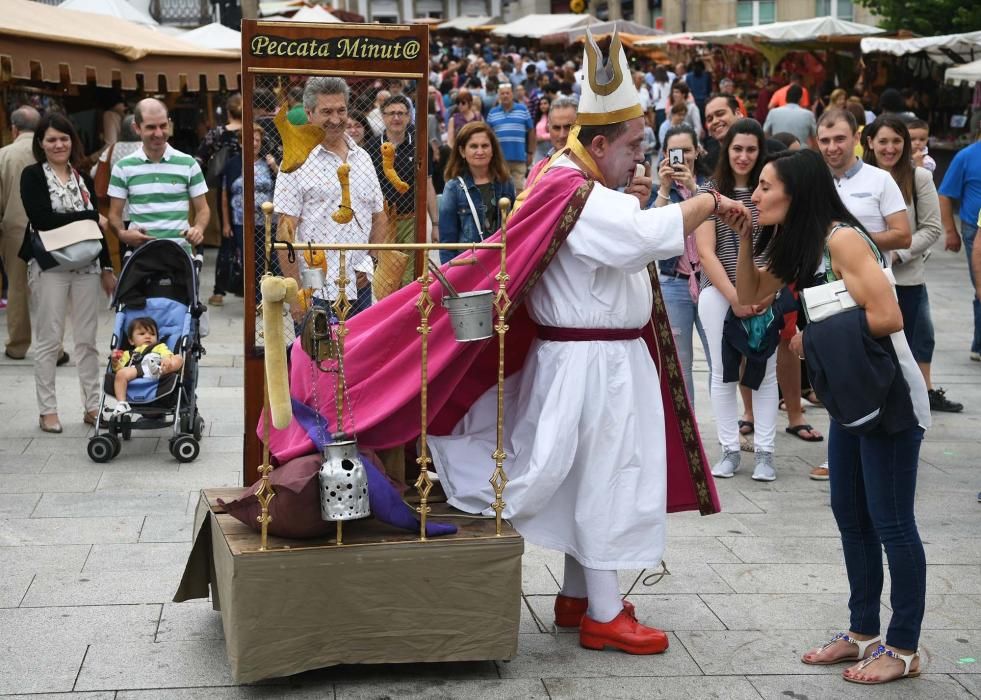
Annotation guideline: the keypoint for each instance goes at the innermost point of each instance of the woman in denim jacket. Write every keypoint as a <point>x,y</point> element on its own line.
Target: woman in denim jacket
<point>476,178</point>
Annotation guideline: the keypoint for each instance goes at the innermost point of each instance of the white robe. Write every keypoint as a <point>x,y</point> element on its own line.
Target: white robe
<point>584,420</point>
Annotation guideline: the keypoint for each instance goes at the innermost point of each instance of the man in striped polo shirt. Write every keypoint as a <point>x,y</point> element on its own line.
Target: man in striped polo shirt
<point>158,182</point>
<point>515,130</point>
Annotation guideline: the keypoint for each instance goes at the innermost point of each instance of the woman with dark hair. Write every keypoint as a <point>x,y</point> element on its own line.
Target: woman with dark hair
<point>540,117</point>
<point>358,127</point>
<point>466,111</point>
<point>811,237</point>
<point>56,194</point>
<point>680,275</point>
<point>477,176</point>
<point>738,170</point>
<point>890,148</point>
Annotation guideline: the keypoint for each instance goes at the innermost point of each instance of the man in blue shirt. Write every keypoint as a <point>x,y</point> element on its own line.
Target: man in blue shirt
<point>963,183</point>
<point>515,130</point>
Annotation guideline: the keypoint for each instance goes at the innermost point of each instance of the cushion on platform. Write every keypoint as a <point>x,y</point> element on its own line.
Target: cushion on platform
<point>295,510</point>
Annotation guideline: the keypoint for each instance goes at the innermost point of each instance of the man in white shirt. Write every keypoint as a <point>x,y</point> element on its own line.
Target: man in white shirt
<point>307,197</point>
<point>643,95</point>
<point>869,192</point>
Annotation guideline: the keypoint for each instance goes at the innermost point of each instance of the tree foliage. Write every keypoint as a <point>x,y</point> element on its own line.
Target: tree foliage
<point>927,17</point>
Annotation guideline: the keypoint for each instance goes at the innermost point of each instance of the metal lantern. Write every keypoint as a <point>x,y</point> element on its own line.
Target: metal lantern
<point>343,483</point>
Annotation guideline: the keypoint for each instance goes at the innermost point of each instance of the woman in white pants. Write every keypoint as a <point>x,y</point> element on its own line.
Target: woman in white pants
<point>55,194</point>
<point>736,176</point>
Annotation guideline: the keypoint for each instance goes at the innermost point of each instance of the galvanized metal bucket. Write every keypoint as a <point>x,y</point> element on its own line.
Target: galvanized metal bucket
<point>470,314</point>
<point>343,483</point>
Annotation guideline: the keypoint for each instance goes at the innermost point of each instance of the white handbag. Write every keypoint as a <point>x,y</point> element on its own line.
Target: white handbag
<point>826,300</point>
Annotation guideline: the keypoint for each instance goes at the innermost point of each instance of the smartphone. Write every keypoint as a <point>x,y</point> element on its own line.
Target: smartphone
<point>676,156</point>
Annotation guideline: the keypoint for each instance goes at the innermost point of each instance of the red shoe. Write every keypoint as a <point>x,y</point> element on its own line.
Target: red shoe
<point>622,632</point>
<point>569,611</point>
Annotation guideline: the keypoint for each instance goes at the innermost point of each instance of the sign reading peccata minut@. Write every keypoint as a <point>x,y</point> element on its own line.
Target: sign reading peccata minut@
<point>278,56</point>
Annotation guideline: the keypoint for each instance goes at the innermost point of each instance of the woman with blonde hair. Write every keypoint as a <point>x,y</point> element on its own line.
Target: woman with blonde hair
<point>477,176</point>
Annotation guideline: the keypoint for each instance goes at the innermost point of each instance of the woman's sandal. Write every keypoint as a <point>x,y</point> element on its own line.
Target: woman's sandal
<point>862,648</point>
<point>746,427</point>
<point>811,397</point>
<point>907,660</point>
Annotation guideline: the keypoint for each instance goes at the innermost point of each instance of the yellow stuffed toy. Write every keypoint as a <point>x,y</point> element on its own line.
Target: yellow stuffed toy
<point>388,168</point>
<point>275,292</point>
<point>344,212</point>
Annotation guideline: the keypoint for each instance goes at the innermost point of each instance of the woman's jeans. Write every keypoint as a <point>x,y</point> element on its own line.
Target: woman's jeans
<point>969,232</point>
<point>914,303</point>
<point>229,253</point>
<point>683,316</point>
<point>873,483</point>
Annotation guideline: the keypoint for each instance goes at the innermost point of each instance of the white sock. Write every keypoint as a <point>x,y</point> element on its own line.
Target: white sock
<point>603,588</point>
<point>121,407</point>
<point>573,579</point>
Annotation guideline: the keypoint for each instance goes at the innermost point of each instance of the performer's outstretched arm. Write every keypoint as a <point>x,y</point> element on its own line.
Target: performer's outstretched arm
<point>700,207</point>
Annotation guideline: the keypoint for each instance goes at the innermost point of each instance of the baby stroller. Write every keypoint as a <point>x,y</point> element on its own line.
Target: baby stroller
<point>160,280</point>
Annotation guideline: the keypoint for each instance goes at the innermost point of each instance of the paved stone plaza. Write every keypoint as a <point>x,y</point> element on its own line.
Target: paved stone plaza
<point>91,555</point>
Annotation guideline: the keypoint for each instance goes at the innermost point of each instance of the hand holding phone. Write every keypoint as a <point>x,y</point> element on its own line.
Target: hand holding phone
<point>676,156</point>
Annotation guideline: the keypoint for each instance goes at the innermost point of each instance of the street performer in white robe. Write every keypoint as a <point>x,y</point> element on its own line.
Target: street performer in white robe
<point>587,476</point>
<point>585,426</point>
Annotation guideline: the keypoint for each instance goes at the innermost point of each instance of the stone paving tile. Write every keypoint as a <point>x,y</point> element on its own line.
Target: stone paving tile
<point>48,483</point>
<point>10,447</point>
<point>18,505</point>
<point>952,612</point>
<point>161,665</point>
<point>165,481</point>
<point>954,579</point>
<point>88,624</point>
<point>495,689</point>
<point>662,688</point>
<point>560,656</point>
<point>137,557</point>
<point>955,550</point>
<point>734,500</point>
<point>110,503</point>
<point>13,463</point>
<point>747,611</point>
<point>23,531</point>
<point>685,576</point>
<point>667,612</point>
<point>159,528</point>
<point>267,691</point>
<point>108,695</point>
<point>700,549</point>
<point>189,621</point>
<point>382,673</point>
<point>48,667</point>
<point>960,523</point>
<point>226,429</point>
<point>720,524</point>
<point>76,446</point>
<point>13,587</point>
<point>971,683</point>
<point>102,588</point>
<point>123,463</point>
<point>784,550</point>
<point>783,578</point>
<point>926,687</point>
<point>817,524</point>
<point>536,579</point>
<point>754,652</point>
<point>951,651</point>
<point>33,559</point>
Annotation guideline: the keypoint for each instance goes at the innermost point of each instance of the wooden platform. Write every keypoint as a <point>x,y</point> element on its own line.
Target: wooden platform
<point>383,596</point>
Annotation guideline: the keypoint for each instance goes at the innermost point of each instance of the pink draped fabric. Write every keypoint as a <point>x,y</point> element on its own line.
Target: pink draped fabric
<point>383,350</point>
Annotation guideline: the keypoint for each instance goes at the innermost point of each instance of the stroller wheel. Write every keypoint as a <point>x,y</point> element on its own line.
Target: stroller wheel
<point>198,426</point>
<point>125,429</point>
<point>102,448</point>
<point>184,448</point>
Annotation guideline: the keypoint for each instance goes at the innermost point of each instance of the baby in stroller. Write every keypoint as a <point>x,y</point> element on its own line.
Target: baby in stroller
<point>148,358</point>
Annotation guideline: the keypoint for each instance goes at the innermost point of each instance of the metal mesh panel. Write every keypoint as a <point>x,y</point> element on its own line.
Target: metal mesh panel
<point>334,174</point>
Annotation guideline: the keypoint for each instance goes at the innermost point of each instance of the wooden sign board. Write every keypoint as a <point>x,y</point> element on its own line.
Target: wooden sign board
<point>277,56</point>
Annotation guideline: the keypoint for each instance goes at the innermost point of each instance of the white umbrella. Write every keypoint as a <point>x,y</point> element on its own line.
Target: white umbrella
<point>967,73</point>
<point>214,36</point>
<point>112,8</point>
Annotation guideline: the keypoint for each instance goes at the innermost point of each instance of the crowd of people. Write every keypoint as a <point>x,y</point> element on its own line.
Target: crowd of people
<point>804,192</point>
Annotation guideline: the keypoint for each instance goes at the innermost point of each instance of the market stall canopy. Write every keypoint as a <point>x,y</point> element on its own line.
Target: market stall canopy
<point>214,36</point>
<point>275,7</point>
<point>683,39</point>
<point>112,8</point>
<point>537,26</point>
<point>54,45</point>
<point>946,49</point>
<point>969,73</point>
<point>625,27</point>
<point>465,24</point>
<point>819,29</point>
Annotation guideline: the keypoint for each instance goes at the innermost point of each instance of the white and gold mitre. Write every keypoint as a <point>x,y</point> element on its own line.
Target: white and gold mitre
<point>608,92</point>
